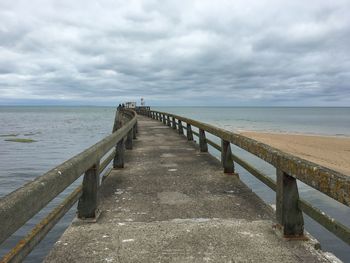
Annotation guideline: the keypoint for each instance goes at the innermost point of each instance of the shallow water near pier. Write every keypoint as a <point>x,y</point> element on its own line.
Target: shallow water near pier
<point>62,132</point>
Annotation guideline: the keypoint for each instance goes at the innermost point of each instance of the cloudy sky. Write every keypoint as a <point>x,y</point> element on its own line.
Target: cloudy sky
<point>232,53</point>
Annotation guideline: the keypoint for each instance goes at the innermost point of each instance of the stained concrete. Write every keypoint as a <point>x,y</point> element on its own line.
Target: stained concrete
<point>172,203</point>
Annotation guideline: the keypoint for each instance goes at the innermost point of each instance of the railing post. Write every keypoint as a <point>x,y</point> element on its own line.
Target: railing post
<point>87,205</point>
<point>118,161</point>
<point>117,121</point>
<point>288,213</point>
<point>226,157</point>
<point>181,130</point>
<point>134,131</point>
<point>203,146</point>
<point>174,123</point>
<point>128,142</point>
<point>189,132</point>
<point>168,121</point>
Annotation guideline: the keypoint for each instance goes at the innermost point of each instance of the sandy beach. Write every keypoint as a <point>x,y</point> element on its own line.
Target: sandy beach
<point>328,151</point>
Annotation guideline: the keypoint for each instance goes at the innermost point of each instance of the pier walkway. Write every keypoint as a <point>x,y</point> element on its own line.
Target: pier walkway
<point>173,203</point>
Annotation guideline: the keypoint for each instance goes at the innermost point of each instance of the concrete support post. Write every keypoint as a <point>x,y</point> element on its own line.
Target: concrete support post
<point>168,121</point>
<point>118,161</point>
<point>189,132</point>
<point>117,121</point>
<point>128,142</point>
<point>181,130</point>
<point>226,157</point>
<point>203,146</point>
<point>288,214</point>
<point>134,132</point>
<point>174,123</point>
<point>87,205</point>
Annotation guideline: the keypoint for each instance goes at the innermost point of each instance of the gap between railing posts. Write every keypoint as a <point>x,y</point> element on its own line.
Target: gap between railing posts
<point>173,122</point>
<point>168,121</point>
<point>128,142</point>
<point>180,128</point>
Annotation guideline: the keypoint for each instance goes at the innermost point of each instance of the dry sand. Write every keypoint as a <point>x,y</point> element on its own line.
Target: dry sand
<point>331,152</point>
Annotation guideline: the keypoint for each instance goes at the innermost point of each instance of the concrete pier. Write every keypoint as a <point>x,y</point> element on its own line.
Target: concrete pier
<point>172,203</point>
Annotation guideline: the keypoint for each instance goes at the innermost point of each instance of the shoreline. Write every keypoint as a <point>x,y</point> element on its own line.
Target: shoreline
<point>332,152</point>
<point>242,132</point>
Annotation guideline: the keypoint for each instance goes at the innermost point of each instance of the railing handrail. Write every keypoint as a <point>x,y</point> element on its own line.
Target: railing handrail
<point>22,204</point>
<point>332,183</point>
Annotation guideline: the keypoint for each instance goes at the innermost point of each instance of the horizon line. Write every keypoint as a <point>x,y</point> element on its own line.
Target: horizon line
<point>173,106</point>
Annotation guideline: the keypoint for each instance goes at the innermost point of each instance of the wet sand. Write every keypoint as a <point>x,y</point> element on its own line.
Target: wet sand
<point>328,151</point>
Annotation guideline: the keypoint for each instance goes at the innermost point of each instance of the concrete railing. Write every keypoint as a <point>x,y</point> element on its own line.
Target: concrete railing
<point>289,169</point>
<point>21,205</point>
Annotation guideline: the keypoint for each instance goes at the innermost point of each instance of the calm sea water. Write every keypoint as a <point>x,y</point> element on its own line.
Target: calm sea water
<point>62,132</point>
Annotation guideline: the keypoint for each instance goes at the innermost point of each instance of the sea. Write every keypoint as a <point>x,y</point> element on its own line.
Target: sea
<point>60,132</point>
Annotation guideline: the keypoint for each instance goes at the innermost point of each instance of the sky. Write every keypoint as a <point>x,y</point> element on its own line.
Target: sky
<point>175,53</point>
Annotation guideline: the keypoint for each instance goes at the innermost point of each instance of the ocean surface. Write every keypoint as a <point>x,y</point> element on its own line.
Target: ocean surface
<point>62,132</point>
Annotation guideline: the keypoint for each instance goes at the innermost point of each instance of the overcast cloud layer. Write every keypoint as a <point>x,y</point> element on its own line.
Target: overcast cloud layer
<point>175,52</point>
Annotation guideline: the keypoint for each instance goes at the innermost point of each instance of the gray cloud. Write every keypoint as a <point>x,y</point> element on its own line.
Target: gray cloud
<point>176,52</point>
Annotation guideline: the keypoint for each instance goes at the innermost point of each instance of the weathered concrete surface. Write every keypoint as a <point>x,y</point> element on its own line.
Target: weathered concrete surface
<point>172,203</point>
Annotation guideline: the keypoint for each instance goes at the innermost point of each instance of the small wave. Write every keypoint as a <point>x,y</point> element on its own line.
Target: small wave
<point>32,133</point>
<point>9,135</point>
